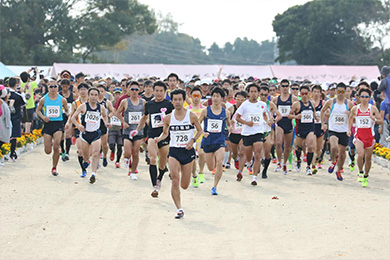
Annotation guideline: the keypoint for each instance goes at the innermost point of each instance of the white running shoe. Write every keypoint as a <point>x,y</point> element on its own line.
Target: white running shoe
<point>254,180</point>
<point>308,171</point>
<point>278,167</point>
<point>133,176</point>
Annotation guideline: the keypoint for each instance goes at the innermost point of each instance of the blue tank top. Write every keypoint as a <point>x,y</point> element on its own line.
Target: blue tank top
<point>53,108</point>
<point>215,125</point>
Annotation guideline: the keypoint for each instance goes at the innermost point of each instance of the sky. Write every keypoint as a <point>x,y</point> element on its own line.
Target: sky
<point>223,21</point>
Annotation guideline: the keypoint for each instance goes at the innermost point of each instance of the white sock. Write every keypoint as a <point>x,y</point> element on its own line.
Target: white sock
<point>93,173</point>
<point>226,158</point>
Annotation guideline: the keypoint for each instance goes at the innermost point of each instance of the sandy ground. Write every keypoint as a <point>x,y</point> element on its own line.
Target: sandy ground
<point>65,217</point>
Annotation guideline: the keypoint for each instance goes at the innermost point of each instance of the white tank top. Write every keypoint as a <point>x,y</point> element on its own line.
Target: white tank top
<point>181,132</point>
<point>338,119</point>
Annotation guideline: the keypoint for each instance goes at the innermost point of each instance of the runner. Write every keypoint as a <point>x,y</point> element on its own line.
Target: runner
<point>340,108</point>
<point>251,114</point>
<point>268,140</point>
<point>235,137</point>
<point>92,114</point>
<point>155,111</point>
<point>196,107</point>
<point>215,118</point>
<point>83,98</point>
<point>284,128</point>
<point>147,96</point>
<point>52,105</point>
<point>133,109</point>
<point>366,115</point>
<point>180,126</point>
<point>68,95</point>
<point>107,105</point>
<point>115,137</point>
<point>318,103</point>
<point>304,113</point>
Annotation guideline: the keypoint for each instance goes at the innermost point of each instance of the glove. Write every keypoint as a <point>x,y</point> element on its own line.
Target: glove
<point>133,133</point>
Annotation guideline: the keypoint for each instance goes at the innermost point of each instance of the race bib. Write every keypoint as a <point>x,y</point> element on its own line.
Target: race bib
<point>70,107</point>
<point>180,138</point>
<point>238,126</point>
<point>340,119</point>
<point>255,118</point>
<point>363,122</point>
<point>307,116</point>
<point>53,111</point>
<point>318,114</point>
<point>214,125</point>
<point>92,117</point>
<point>134,118</point>
<point>115,121</point>
<point>284,110</point>
<point>157,120</point>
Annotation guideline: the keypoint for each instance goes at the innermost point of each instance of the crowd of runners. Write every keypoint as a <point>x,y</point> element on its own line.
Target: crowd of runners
<point>246,124</point>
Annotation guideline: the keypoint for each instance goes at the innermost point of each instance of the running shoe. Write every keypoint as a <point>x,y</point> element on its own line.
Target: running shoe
<point>155,192</point>
<point>264,174</point>
<point>63,157</point>
<point>338,175</point>
<point>105,162</point>
<point>360,177</point>
<point>298,165</point>
<point>195,182</point>
<point>213,171</point>
<point>239,176</point>
<point>214,191</point>
<point>314,169</point>
<point>319,166</point>
<point>250,171</point>
<point>237,163</point>
<point>289,167</point>
<point>117,165</point>
<point>227,166</point>
<point>180,214</point>
<point>54,171</point>
<point>126,163</point>
<point>201,178</point>
<point>342,170</point>
<point>92,179</point>
<point>66,157</point>
<point>364,182</point>
<point>136,171</point>
<point>284,169</point>
<point>274,160</point>
<point>331,167</point>
<point>352,167</point>
<point>308,171</point>
<point>305,158</point>
<point>278,167</point>
<point>83,174</point>
<point>86,164</point>
<point>133,176</point>
<point>254,180</point>
<point>112,156</point>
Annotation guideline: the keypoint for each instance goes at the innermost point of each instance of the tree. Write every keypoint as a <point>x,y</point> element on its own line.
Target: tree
<point>43,32</point>
<point>326,32</point>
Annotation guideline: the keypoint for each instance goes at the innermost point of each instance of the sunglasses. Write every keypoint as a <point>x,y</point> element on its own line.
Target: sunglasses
<point>364,96</point>
<point>52,86</point>
<point>240,99</point>
<point>264,95</point>
<point>295,88</point>
<point>305,94</point>
<point>340,91</point>
<point>134,89</point>
<point>196,96</point>
<point>284,86</point>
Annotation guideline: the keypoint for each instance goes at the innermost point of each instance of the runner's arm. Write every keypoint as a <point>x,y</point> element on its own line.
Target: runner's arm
<point>39,110</point>
<point>79,110</point>
<point>377,116</point>
<point>142,122</point>
<point>275,110</point>
<point>294,109</point>
<point>350,120</point>
<point>104,116</point>
<point>65,106</point>
<point>324,123</point>
<point>195,121</point>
